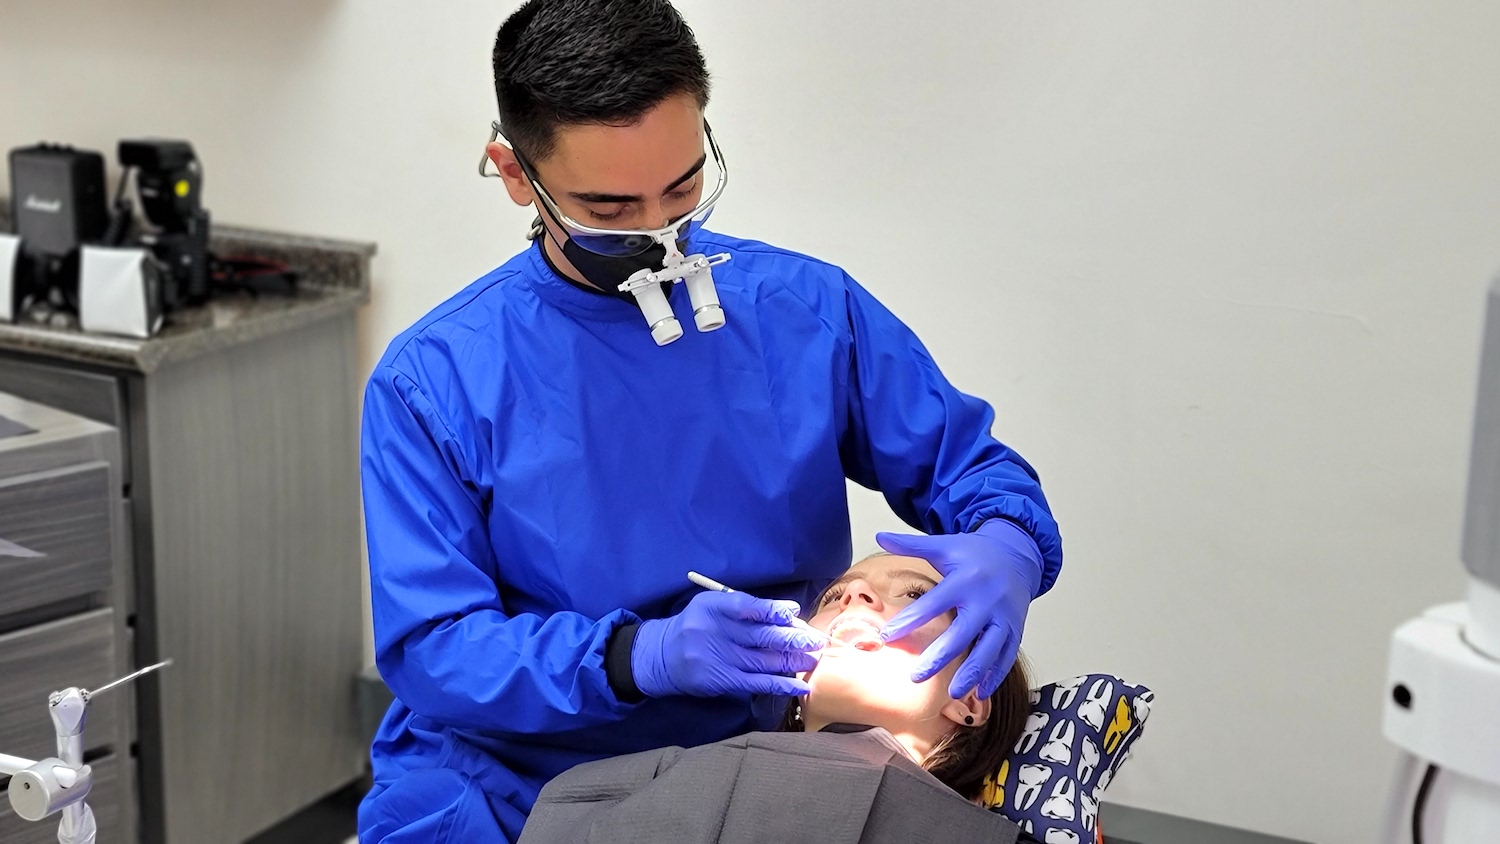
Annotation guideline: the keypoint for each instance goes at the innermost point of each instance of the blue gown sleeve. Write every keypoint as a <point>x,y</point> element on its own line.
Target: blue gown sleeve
<point>926,446</point>
<point>444,643</point>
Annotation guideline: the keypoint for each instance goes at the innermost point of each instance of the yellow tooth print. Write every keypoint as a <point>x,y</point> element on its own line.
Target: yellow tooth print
<point>1117,727</point>
<point>994,787</point>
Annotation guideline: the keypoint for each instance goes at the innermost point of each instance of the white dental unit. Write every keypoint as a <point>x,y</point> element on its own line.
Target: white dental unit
<point>1443,695</point>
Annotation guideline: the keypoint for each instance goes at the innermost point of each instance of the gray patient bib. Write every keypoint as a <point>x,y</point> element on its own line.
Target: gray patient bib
<point>821,788</point>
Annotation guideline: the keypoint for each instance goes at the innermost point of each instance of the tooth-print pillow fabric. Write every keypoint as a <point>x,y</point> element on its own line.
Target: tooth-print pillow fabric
<point>1078,735</point>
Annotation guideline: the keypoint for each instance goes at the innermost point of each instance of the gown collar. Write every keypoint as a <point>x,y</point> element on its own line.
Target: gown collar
<point>567,295</point>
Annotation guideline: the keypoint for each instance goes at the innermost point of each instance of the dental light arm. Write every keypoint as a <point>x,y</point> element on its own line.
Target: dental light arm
<point>1481,542</point>
<point>1444,674</point>
<point>42,788</point>
<point>12,765</point>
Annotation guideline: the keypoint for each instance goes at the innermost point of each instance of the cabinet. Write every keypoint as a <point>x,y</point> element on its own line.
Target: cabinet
<point>62,555</point>
<point>238,527</point>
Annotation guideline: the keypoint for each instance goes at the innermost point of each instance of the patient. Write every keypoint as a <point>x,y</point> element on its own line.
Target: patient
<point>868,757</point>
<point>961,742</point>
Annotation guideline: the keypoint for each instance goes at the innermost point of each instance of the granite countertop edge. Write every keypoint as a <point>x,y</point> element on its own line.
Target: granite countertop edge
<point>147,356</point>
<point>301,242</point>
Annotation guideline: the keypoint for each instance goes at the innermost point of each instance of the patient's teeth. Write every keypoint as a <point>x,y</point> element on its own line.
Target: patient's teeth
<point>858,632</point>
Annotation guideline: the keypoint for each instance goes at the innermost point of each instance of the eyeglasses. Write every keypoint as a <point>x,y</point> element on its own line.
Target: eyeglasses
<point>623,242</point>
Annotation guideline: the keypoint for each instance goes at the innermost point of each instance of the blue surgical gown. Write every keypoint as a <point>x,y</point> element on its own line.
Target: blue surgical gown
<point>537,472</point>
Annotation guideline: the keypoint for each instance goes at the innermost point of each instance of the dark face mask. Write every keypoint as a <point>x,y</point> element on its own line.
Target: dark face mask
<point>608,272</point>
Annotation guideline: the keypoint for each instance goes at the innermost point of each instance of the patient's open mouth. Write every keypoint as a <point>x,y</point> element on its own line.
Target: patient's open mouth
<point>861,632</point>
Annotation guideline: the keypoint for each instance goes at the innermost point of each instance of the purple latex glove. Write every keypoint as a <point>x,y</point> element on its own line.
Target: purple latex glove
<point>724,643</point>
<point>989,579</point>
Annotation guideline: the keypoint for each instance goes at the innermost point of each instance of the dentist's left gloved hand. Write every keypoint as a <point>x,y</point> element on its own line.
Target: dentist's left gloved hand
<point>990,577</point>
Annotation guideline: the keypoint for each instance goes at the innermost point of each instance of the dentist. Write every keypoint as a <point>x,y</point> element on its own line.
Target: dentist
<point>546,455</point>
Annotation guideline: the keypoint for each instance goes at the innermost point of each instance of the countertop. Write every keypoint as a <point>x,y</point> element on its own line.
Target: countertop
<point>335,279</point>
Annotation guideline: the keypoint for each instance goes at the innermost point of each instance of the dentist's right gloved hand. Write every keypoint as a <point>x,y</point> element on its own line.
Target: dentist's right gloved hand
<point>724,643</point>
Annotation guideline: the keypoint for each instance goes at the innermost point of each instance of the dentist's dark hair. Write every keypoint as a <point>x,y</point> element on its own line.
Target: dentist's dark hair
<point>573,62</point>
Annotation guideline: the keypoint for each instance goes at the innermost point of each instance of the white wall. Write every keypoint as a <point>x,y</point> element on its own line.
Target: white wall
<point>1219,265</point>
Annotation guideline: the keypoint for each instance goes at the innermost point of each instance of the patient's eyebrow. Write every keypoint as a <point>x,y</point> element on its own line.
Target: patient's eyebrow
<point>912,574</point>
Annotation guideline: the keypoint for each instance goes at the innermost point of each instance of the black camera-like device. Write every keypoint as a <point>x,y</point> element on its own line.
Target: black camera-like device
<point>169,183</point>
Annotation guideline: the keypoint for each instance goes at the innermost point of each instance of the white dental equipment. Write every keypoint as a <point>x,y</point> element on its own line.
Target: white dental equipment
<point>1443,693</point>
<point>41,788</point>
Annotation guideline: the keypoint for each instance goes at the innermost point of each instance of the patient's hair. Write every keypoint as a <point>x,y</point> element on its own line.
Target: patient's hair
<point>573,62</point>
<point>972,754</point>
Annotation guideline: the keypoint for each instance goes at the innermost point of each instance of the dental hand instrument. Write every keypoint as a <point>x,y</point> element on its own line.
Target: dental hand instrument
<point>41,788</point>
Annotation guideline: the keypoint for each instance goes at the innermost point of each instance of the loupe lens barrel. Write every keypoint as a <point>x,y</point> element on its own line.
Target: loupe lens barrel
<point>707,312</point>
<point>658,312</point>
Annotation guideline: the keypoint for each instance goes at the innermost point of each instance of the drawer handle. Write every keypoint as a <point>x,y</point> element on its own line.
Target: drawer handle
<point>11,549</point>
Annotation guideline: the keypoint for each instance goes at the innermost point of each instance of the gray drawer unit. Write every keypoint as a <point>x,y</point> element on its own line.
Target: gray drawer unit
<point>57,439</point>
<point>91,395</point>
<point>237,459</point>
<point>125,578</point>
<point>55,535</point>
<point>104,799</point>
<point>59,512</point>
<point>36,661</point>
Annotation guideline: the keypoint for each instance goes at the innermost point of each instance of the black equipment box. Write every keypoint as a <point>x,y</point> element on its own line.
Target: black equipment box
<point>57,198</point>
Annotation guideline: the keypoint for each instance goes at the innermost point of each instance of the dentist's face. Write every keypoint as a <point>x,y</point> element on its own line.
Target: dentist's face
<point>869,684</point>
<point>641,175</point>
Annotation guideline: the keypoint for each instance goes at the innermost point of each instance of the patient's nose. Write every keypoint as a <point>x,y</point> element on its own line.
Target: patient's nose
<point>859,593</point>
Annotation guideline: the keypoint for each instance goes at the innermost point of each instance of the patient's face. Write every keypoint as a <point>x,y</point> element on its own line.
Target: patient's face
<point>855,685</point>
